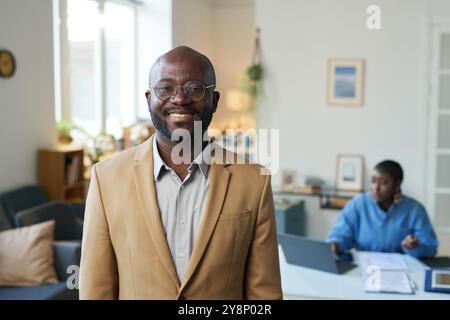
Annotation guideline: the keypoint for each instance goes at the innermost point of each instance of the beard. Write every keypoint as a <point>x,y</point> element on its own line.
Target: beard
<point>163,129</point>
<point>160,125</point>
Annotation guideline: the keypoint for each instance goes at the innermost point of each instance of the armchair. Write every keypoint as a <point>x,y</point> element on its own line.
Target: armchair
<point>19,199</point>
<point>67,225</point>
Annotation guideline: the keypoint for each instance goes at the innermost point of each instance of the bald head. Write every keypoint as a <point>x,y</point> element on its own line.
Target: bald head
<point>183,55</point>
<point>176,68</point>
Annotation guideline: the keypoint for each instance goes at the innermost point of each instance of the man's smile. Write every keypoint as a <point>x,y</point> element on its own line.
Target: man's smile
<point>181,117</point>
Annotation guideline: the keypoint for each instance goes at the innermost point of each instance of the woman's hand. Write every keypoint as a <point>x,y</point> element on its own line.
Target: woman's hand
<point>410,242</point>
<point>335,249</point>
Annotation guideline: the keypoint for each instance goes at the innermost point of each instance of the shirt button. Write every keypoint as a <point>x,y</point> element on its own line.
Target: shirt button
<point>182,221</point>
<point>182,187</point>
<point>180,255</point>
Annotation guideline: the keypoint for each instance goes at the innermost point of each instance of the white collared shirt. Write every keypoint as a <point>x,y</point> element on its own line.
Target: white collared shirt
<point>181,204</point>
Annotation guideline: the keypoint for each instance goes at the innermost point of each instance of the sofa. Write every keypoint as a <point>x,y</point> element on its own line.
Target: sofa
<point>68,225</point>
<point>14,201</point>
<point>66,253</point>
<point>27,206</point>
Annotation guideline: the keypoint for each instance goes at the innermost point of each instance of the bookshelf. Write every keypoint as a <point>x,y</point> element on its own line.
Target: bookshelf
<point>61,173</point>
<point>331,199</point>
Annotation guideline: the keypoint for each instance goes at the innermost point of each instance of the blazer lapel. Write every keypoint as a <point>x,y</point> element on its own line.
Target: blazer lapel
<point>216,195</point>
<point>143,177</point>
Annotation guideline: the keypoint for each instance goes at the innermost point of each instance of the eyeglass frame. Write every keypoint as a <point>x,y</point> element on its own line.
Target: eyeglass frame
<point>184,92</point>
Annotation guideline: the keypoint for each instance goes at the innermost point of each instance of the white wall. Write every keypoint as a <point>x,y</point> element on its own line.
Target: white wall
<point>223,30</point>
<point>440,9</point>
<point>298,36</point>
<point>27,99</point>
<point>191,24</point>
<point>154,21</point>
<point>233,28</point>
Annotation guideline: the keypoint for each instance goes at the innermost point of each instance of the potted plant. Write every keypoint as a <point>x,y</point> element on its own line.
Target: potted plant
<point>64,128</point>
<point>251,82</point>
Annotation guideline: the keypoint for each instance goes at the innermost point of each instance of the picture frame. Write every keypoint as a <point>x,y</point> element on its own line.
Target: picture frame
<point>288,180</point>
<point>345,82</point>
<point>349,173</point>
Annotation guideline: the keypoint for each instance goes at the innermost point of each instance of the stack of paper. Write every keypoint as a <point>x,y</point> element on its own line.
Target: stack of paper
<point>388,281</point>
<point>384,261</point>
<point>385,272</point>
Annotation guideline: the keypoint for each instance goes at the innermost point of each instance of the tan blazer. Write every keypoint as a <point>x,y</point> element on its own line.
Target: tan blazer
<point>125,254</point>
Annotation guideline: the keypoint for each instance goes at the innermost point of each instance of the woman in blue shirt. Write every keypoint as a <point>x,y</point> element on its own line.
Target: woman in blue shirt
<point>384,219</point>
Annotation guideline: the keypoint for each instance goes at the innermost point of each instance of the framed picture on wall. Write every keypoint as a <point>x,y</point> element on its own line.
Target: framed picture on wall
<point>345,82</point>
<point>350,173</point>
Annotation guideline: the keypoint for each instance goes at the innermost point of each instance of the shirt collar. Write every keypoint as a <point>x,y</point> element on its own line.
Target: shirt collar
<point>202,161</point>
<point>384,214</point>
<point>158,163</point>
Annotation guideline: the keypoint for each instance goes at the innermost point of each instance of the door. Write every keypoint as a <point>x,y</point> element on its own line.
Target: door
<point>438,198</point>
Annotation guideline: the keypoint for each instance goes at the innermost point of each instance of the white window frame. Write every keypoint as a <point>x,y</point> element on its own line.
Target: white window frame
<point>62,86</point>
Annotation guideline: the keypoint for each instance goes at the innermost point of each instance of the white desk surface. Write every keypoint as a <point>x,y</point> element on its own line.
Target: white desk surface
<point>304,283</point>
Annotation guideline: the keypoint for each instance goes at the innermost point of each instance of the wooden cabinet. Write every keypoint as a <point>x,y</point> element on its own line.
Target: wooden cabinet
<point>61,173</point>
<point>290,216</point>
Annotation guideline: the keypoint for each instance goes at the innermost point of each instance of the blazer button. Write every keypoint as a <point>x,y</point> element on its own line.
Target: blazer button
<point>181,298</point>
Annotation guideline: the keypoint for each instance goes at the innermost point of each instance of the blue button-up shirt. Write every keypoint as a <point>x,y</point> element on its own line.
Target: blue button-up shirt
<point>365,226</point>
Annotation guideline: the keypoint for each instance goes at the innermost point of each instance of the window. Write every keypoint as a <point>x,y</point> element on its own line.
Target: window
<point>98,64</point>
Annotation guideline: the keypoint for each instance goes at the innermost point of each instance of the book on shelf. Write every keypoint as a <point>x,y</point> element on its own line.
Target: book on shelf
<point>310,189</point>
<point>72,169</point>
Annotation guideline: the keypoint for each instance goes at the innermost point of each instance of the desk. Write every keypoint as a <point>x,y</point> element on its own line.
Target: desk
<point>305,283</point>
<point>331,199</point>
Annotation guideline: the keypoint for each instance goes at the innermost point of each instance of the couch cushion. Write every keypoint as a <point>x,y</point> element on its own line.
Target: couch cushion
<point>44,292</point>
<point>66,254</point>
<point>26,255</point>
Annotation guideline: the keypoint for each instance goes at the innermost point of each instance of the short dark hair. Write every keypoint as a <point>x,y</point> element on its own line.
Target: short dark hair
<point>394,169</point>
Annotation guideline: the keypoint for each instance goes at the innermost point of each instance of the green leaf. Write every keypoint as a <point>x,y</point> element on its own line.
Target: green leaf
<point>255,72</point>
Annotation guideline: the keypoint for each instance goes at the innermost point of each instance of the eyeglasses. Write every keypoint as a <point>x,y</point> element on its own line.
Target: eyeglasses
<point>193,90</point>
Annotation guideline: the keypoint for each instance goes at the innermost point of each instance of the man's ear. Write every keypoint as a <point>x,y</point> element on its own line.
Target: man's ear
<point>148,95</point>
<point>216,97</point>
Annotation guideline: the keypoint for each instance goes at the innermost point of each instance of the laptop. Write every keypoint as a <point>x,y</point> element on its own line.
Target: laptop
<point>437,262</point>
<point>312,254</point>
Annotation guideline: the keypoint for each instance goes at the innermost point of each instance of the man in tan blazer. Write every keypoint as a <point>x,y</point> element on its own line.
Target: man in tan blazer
<point>156,228</point>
